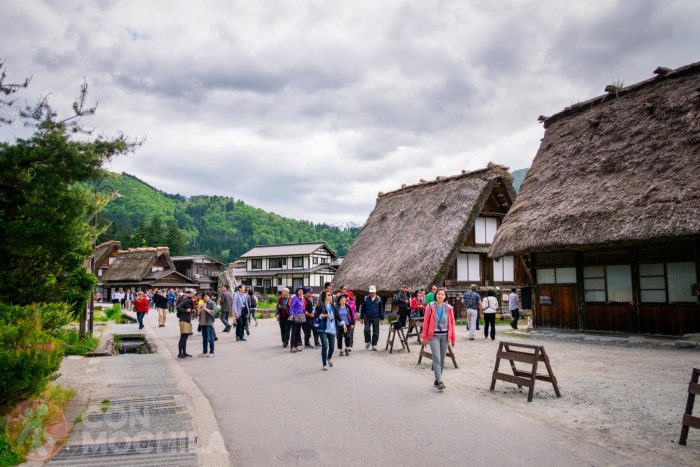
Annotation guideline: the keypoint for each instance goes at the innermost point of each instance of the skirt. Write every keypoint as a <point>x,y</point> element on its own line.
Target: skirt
<point>185,327</point>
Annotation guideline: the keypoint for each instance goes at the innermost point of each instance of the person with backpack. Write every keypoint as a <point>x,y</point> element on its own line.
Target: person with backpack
<point>490,307</point>
<point>161,303</point>
<point>282,315</point>
<point>346,328</point>
<point>253,306</point>
<point>438,331</point>
<point>326,320</point>
<point>297,317</point>
<point>372,315</point>
<point>402,299</point>
<point>472,302</point>
<point>184,308</point>
<point>308,325</point>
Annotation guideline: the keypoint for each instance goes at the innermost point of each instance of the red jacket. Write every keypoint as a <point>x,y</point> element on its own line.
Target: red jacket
<point>141,305</point>
<point>430,323</point>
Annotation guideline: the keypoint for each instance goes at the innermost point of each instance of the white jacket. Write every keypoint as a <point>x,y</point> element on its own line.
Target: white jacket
<point>489,305</point>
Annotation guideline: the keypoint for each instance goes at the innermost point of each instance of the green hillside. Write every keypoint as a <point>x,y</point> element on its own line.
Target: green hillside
<point>214,225</point>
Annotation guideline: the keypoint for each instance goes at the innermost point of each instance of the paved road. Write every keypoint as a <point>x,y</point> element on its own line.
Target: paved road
<point>274,408</point>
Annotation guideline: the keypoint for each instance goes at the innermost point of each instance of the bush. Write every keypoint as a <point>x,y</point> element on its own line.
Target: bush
<point>29,354</point>
<point>271,299</point>
<point>114,313</point>
<point>73,345</point>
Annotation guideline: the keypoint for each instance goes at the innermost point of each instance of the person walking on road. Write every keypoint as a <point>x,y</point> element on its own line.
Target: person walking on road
<point>253,307</point>
<point>141,307</point>
<point>184,308</point>
<point>472,302</point>
<point>327,314</point>
<point>308,324</point>
<point>297,317</point>
<point>207,313</point>
<point>438,331</point>
<point>372,314</point>
<point>490,306</point>
<point>172,300</point>
<point>402,299</point>
<point>226,307</point>
<point>514,307</point>
<point>282,316</point>
<point>161,303</point>
<point>346,325</point>
<point>241,308</point>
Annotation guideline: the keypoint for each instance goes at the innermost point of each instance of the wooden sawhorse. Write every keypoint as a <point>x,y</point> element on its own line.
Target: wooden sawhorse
<point>427,354</point>
<point>392,336</point>
<point>520,377</point>
<point>688,419</point>
<point>415,328</point>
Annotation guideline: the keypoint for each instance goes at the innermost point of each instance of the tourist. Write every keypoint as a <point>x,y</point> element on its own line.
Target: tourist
<point>514,307</point>
<point>402,299</point>
<point>141,307</point>
<point>346,325</point>
<point>253,307</point>
<point>326,315</point>
<point>207,317</point>
<point>226,307</point>
<point>472,302</point>
<point>161,303</point>
<point>372,314</point>
<point>241,308</point>
<point>297,317</point>
<point>351,302</point>
<point>438,331</point>
<point>431,295</point>
<point>308,324</point>
<point>328,286</point>
<point>172,297</point>
<point>490,306</point>
<point>282,316</point>
<point>128,299</point>
<point>184,308</point>
<point>418,304</point>
<point>343,290</point>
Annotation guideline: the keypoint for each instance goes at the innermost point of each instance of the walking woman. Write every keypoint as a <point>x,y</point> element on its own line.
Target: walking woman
<point>326,315</point>
<point>141,307</point>
<point>438,330</point>
<point>490,305</point>
<point>297,316</point>
<point>184,308</point>
<point>346,325</point>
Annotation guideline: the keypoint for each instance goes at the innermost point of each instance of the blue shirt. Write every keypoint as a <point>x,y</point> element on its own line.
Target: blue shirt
<point>343,312</point>
<point>471,299</point>
<point>330,321</point>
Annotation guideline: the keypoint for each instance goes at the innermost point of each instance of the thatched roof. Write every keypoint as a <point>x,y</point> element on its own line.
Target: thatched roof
<point>101,251</point>
<point>135,264</point>
<point>414,234</point>
<point>618,169</point>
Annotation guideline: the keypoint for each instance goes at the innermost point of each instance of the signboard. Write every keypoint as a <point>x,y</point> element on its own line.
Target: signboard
<point>545,298</point>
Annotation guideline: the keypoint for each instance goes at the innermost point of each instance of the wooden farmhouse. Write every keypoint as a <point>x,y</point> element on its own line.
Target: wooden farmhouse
<point>141,269</point>
<point>435,232</point>
<point>104,255</point>
<point>202,269</point>
<point>608,217</point>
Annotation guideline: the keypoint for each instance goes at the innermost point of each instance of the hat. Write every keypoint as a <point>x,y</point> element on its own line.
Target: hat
<point>372,289</point>
<point>298,289</point>
<point>350,295</point>
<point>190,292</point>
<point>308,289</point>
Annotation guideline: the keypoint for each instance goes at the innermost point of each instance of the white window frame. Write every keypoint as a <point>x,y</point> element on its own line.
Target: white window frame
<point>484,230</point>
<point>504,269</point>
<point>468,267</point>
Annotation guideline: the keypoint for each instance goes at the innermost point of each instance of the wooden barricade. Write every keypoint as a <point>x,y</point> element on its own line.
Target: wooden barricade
<point>392,336</point>
<point>415,327</point>
<point>523,378</point>
<point>688,419</point>
<point>427,354</point>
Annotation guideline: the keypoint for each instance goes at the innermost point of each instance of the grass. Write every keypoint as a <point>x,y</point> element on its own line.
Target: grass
<point>74,345</point>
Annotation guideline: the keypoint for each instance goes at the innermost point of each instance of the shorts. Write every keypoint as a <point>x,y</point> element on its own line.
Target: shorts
<point>185,327</point>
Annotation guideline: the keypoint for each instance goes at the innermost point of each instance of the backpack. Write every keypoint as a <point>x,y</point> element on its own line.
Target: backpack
<point>253,301</point>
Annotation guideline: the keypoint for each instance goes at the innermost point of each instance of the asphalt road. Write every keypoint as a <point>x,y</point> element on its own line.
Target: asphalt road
<point>277,408</point>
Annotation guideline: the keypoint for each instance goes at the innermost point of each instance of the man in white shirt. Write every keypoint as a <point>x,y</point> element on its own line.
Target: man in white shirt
<point>514,307</point>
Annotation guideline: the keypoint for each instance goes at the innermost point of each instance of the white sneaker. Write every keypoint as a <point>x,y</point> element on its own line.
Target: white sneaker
<point>202,355</point>
<point>367,345</point>
<point>211,355</point>
<point>348,350</point>
<point>374,348</point>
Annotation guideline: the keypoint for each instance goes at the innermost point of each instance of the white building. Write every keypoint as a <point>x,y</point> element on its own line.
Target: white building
<point>270,268</point>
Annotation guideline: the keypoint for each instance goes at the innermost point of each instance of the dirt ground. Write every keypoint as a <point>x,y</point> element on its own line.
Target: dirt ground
<point>627,399</point>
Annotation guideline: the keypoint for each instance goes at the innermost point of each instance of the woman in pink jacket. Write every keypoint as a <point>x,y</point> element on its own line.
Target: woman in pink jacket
<point>438,330</point>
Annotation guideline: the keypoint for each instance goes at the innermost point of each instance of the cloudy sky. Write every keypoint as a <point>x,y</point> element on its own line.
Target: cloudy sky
<point>309,108</point>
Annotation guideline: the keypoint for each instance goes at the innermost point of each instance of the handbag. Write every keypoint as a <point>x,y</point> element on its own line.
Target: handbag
<point>299,318</point>
<point>319,324</point>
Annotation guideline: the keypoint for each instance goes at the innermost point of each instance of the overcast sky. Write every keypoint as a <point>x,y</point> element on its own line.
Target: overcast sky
<point>309,109</point>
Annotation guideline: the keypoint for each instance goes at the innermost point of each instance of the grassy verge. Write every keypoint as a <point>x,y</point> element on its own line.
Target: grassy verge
<point>74,345</point>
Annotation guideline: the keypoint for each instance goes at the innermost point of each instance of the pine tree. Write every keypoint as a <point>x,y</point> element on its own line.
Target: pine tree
<point>175,240</point>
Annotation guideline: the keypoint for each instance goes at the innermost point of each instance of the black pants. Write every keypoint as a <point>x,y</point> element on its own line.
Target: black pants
<point>490,321</point>
<point>182,345</point>
<point>308,331</point>
<point>516,315</point>
<point>296,334</point>
<point>240,326</point>
<point>285,328</point>
<point>403,316</point>
<point>345,336</point>
<point>373,324</point>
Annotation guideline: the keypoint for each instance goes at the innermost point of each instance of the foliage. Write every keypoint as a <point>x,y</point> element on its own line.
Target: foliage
<point>7,455</point>
<point>29,354</point>
<point>114,313</point>
<point>73,345</point>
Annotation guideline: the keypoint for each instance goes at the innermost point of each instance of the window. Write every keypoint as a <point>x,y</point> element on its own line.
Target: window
<point>681,276</point>
<point>324,260</point>
<point>652,283</point>
<point>556,276</point>
<point>297,282</point>
<point>111,260</point>
<point>279,281</point>
<point>267,283</point>
<point>298,262</point>
<point>99,272</point>
<point>275,263</point>
<point>315,259</point>
<point>156,268</point>
<point>503,269</point>
<point>256,263</point>
<point>607,283</point>
<point>321,280</point>
<point>485,229</point>
<point>468,267</point>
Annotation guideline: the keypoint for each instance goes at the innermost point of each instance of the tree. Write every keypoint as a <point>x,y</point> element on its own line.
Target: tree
<point>154,232</point>
<point>175,240</point>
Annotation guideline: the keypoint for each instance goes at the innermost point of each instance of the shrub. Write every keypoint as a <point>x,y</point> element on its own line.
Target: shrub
<point>271,299</point>
<point>114,313</point>
<point>73,345</point>
<point>29,354</point>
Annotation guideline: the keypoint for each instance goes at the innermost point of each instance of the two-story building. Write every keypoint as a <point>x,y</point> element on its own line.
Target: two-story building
<point>270,268</point>
<point>202,269</point>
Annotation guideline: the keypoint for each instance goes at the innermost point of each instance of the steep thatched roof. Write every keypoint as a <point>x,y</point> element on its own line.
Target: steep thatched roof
<point>101,251</point>
<point>414,234</point>
<point>617,169</point>
<point>135,263</point>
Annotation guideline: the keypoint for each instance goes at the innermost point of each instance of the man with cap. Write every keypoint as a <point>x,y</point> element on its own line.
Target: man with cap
<point>371,314</point>
<point>308,325</point>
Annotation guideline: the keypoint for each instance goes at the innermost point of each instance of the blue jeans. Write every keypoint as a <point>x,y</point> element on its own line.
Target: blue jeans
<point>139,317</point>
<point>207,338</point>
<point>327,346</point>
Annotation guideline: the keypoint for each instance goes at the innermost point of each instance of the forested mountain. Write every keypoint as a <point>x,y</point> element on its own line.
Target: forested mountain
<point>214,225</point>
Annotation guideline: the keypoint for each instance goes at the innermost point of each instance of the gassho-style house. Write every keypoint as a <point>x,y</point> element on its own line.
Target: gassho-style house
<point>608,217</point>
<point>436,232</point>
